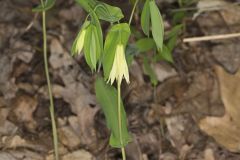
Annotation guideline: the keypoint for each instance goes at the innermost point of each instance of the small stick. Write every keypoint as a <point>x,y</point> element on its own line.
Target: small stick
<point>213,37</point>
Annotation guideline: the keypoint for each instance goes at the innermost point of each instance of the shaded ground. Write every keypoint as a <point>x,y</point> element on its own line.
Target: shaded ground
<point>192,114</point>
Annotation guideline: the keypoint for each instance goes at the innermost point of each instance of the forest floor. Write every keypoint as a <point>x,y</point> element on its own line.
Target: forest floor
<point>192,114</point>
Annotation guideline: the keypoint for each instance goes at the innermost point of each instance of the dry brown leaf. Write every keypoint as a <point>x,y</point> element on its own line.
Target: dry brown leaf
<point>206,6</point>
<point>76,155</point>
<point>20,155</point>
<point>68,137</point>
<point>164,71</point>
<point>226,20</point>
<point>175,126</point>
<point>226,130</point>
<point>209,154</point>
<point>13,142</point>
<point>80,154</point>
<point>24,107</point>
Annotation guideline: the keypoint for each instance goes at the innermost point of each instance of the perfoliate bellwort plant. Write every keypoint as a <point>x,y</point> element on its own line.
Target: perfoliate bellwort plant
<point>110,54</point>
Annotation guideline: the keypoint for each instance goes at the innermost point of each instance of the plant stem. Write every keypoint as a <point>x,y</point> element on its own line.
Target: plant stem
<point>134,7</point>
<point>51,107</point>
<point>120,119</point>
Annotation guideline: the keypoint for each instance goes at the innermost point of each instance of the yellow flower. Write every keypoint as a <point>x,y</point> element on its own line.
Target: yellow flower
<point>80,41</point>
<point>119,67</point>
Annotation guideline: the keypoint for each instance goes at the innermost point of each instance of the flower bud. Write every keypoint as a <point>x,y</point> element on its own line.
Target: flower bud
<point>80,42</point>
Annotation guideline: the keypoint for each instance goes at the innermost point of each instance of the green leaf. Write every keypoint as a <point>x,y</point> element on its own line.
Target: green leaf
<point>174,31</point>
<point>166,54</point>
<point>96,22</point>
<point>48,4</point>
<point>147,69</point>
<point>145,44</point>
<point>172,43</point>
<point>172,37</point>
<point>88,5</point>
<point>131,52</point>
<point>92,48</point>
<point>157,25</point>
<point>178,17</point>
<point>118,34</point>
<point>145,18</point>
<point>107,98</point>
<point>108,13</point>
<point>103,11</point>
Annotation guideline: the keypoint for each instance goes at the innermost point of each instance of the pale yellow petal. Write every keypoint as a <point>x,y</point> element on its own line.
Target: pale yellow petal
<point>119,67</point>
<point>80,41</point>
<point>113,72</point>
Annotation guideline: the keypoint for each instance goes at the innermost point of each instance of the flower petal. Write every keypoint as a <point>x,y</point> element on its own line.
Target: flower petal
<point>80,42</point>
<point>119,67</point>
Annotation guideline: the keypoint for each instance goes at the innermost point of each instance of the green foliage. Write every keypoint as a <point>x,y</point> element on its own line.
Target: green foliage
<point>48,4</point>
<point>96,22</point>
<point>108,13</point>
<point>151,16</point>
<point>107,98</point>
<point>145,44</point>
<point>92,48</point>
<point>96,50</point>
<point>145,18</point>
<point>186,2</point>
<point>148,70</point>
<point>174,31</point>
<point>157,25</point>
<point>87,5</point>
<point>92,41</point>
<point>118,34</point>
<point>103,11</point>
<point>166,54</point>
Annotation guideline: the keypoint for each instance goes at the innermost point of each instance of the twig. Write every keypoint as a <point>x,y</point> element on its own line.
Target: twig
<point>213,37</point>
<point>29,26</point>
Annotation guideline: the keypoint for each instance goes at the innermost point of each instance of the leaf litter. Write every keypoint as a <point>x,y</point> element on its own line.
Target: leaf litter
<point>191,114</point>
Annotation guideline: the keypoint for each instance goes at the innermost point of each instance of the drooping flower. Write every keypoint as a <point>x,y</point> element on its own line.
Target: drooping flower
<point>79,42</point>
<point>119,67</point>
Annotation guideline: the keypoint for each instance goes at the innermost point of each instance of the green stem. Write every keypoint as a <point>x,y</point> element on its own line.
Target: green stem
<point>120,119</point>
<point>51,108</point>
<point>134,7</point>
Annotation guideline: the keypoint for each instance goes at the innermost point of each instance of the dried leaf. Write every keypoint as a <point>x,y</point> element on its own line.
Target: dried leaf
<point>226,130</point>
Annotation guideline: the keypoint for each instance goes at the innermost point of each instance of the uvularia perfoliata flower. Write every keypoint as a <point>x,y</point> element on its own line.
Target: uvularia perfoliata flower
<point>119,67</point>
<point>79,41</point>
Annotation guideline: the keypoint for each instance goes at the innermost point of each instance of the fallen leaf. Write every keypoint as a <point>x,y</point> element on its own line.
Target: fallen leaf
<point>68,137</point>
<point>206,6</point>
<point>164,71</point>
<point>226,130</point>
<point>13,142</point>
<point>24,106</point>
<point>175,126</point>
<point>209,154</point>
<point>76,155</point>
